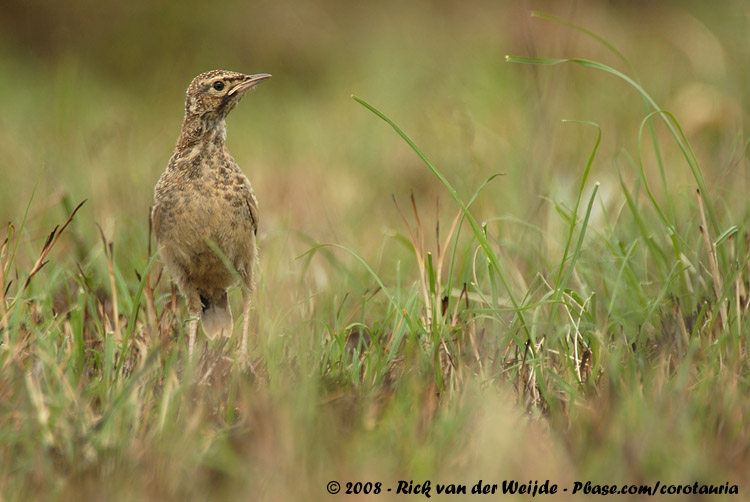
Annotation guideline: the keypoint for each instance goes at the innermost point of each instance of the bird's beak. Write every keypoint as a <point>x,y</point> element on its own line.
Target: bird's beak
<point>250,81</point>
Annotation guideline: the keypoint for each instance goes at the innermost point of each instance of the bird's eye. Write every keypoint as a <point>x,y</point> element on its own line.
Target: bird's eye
<point>219,85</point>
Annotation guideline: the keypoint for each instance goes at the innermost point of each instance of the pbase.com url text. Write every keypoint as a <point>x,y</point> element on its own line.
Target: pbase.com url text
<point>533,488</point>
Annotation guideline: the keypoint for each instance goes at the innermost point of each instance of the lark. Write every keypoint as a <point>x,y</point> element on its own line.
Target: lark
<point>205,213</point>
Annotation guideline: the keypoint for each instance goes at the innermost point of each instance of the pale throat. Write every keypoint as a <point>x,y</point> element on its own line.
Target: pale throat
<point>203,130</point>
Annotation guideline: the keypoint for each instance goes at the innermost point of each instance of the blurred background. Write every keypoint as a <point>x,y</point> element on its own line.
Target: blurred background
<point>92,98</point>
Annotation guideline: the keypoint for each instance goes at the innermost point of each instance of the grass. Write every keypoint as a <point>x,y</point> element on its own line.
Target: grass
<point>597,333</point>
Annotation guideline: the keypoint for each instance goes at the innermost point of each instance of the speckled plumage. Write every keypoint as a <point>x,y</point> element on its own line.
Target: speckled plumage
<point>203,201</point>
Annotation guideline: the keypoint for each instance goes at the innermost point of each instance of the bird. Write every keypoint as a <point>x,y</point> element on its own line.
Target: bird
<point>205,212</point>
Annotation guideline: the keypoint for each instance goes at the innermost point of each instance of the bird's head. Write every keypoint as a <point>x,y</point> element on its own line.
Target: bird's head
<point>212,95</point>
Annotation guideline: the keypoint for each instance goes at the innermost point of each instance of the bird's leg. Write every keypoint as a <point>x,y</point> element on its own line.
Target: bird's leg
<point>246,297</point>
<point>192,333</point>
<point>195,307</point>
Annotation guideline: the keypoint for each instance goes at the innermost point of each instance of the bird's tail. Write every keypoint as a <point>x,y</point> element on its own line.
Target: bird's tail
<point>216,317</point>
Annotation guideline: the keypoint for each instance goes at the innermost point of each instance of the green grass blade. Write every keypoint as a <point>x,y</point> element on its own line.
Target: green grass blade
<point>560,283</point>
<point>672,125</point>
<point>478,232</point>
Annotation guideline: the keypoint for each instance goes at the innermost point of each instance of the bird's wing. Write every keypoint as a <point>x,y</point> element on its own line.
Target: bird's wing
<point>155,220</point>
<point>252,203</point>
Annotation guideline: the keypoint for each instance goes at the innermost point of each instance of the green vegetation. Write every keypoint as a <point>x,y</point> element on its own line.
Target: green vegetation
<point>545,299</point>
